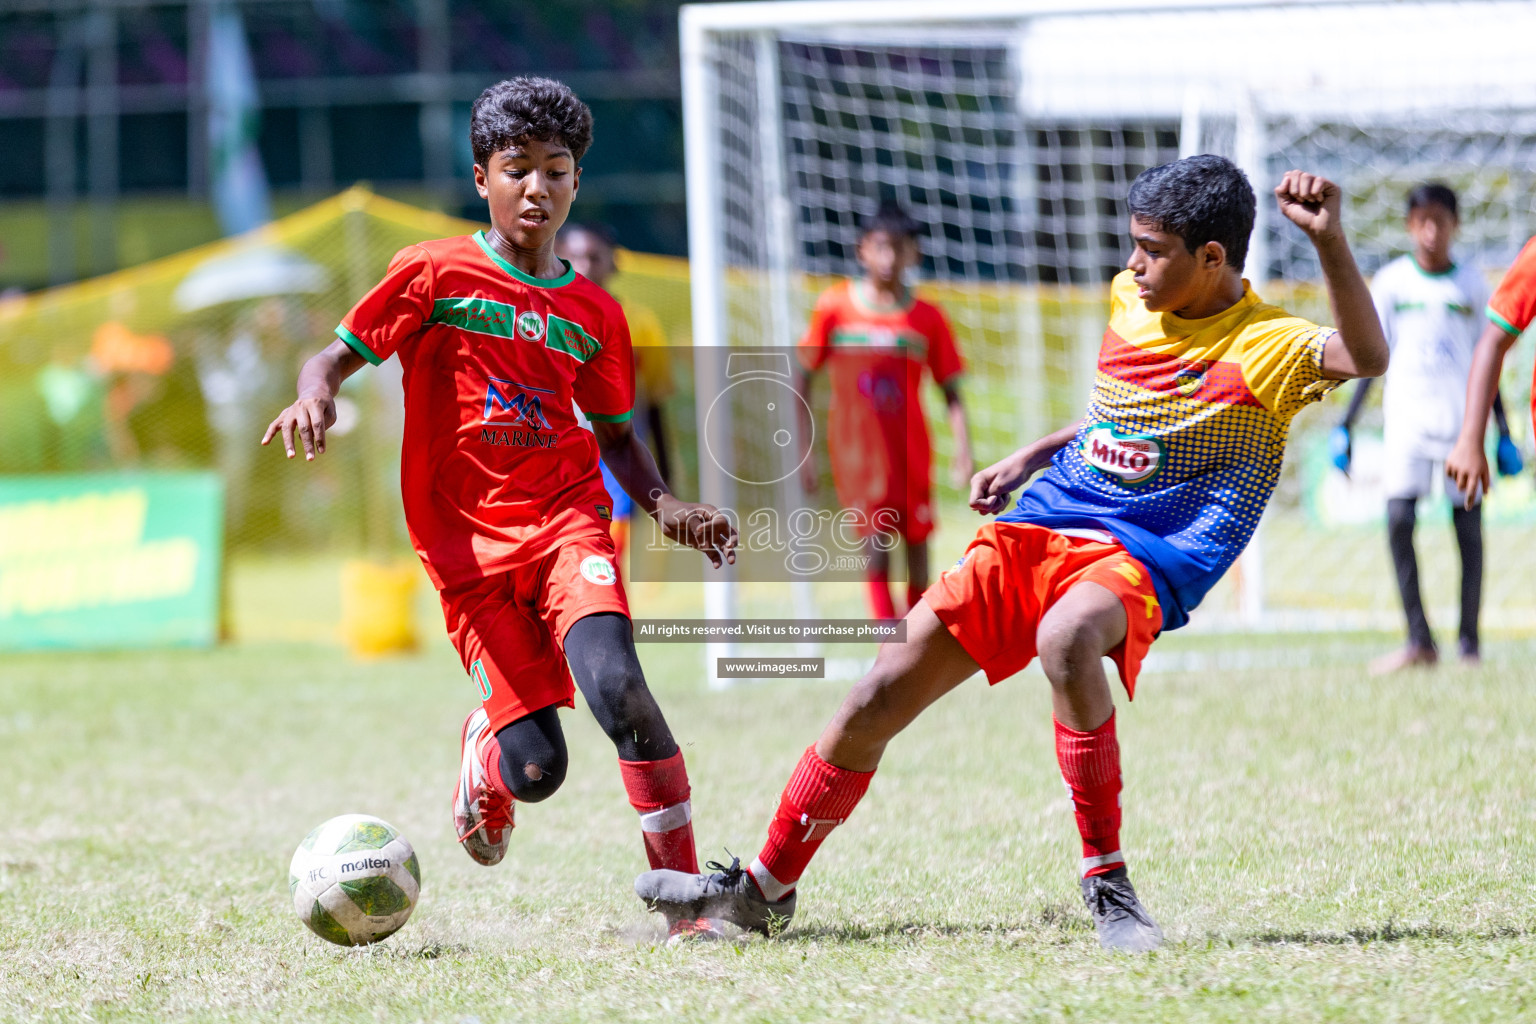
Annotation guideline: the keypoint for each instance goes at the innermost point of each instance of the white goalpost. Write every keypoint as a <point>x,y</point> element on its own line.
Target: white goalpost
<point>1012,131</point>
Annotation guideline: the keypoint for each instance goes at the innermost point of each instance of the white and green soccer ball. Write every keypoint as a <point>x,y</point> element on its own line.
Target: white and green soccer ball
<point>354,880</point>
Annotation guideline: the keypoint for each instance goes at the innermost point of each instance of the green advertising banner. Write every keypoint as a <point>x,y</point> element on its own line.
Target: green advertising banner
<point>110,560</point>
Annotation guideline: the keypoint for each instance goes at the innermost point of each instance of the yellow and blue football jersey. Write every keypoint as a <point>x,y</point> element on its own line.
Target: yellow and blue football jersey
<point>1182,442</point>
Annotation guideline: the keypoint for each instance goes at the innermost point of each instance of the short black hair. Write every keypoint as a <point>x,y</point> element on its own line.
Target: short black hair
<point>528,108</point>
<point>891,219</point>
<point>1201,199</point>
<point>1433,193</point>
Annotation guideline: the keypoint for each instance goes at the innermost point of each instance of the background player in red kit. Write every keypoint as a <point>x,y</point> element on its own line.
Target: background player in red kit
<point>497,338</point>
<point>875,337</point>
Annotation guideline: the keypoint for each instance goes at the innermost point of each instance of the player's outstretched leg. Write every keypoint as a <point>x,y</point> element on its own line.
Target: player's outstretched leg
<point>1074,636</point>
<point>524,761</point>
<point>828,783</point>
<point>601,652</point>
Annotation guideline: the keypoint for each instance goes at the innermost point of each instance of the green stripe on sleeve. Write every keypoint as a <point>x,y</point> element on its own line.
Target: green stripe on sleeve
<point>1501,322</point>
<point>356,345</point>
<point>481,316</point>
<point>621,417</point>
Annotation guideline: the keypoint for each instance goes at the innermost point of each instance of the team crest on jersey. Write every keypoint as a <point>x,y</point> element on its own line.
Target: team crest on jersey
<point>530,326</point>
<point>597,569</point>
<point>1188,380</point>
<point>1131,459</point>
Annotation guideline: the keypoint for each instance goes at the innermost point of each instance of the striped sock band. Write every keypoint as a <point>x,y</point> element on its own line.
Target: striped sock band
<point>659,793</point>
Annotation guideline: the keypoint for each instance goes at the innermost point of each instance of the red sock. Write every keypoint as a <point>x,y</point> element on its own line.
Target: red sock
<point>880,603</point>
<point>490,763</point>
<point>659,791</point>
<point>819,798</point>
<point>1090,764</point>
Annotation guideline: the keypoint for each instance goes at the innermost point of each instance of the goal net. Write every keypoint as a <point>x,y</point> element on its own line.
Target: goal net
<point>1012,132</point>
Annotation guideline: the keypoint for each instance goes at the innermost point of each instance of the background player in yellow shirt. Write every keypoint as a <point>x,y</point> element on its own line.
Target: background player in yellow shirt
<point>1142,507</point>
<point>590,250</point>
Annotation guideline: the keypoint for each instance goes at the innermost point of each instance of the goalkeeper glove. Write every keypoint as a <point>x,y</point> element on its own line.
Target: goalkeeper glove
<point>1508,456</point>
<point>1339,448</point>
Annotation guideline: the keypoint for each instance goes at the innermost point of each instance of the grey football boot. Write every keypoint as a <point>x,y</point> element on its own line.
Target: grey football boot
<point>728,894</point>
<point>1122,922</point>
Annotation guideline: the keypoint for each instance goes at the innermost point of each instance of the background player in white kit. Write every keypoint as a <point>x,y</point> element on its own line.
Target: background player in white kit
<point>1430,309</point>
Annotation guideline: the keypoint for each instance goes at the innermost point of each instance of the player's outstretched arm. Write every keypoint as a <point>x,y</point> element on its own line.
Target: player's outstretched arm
<point>315,409</point>
<point>991,487</point>
<point>1359,349</point>
<point>1467,464</point>
<point>694,523</point>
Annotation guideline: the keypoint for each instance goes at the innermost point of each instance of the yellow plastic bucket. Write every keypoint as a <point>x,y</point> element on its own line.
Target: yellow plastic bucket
<point>378,607</point>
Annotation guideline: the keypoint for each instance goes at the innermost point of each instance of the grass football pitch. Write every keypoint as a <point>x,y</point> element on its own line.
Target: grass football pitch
<point>1318,846</point>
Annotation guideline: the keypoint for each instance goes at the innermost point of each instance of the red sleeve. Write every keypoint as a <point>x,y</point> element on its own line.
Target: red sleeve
<point>394,309</point>
<point>816,345</point>
<point>605,384</point>
<point>1513,305</point>
<point>944,360</point>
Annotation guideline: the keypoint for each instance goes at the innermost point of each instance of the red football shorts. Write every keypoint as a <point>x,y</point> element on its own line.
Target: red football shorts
<point>510,628</point>
<point>888,486</point>
<point>993,600</point>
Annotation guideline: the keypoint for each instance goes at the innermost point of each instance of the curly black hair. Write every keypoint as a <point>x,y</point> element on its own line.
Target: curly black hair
<point>529,108</point>
<point>1201,199</point>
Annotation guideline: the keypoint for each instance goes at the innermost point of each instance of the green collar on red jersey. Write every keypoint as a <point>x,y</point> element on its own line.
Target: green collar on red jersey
<point>517,275</point>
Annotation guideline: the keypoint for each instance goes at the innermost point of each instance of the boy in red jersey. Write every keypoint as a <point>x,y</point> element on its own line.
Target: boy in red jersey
<point>498,338</point>
<point>1142,507</point>
<point>1510,311</point>
<point>875,337</point>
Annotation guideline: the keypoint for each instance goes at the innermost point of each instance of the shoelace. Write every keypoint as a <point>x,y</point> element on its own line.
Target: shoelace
<point>727,876</point>
<point>493,815</point>
<point>1108,896</point>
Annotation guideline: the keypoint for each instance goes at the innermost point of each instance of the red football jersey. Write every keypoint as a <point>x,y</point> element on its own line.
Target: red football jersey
<point>1513,305</point>
<point>878,431</point>
<point>495,468</point>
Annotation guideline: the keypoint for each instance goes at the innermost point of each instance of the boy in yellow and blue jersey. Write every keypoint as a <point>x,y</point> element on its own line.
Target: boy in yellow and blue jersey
<point>1142,507</point>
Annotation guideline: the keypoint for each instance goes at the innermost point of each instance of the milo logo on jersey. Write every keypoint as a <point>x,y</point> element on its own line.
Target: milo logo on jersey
<point>1132,459</point>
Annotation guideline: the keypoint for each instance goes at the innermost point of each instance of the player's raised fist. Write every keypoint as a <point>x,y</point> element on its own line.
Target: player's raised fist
<point>1310,201</point>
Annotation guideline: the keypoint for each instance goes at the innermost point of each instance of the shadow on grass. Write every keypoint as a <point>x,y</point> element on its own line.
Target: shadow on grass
<point>1059,920</point>
<point>436,951</point>
<point>1389,932</point>
<point>1066,921</point>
